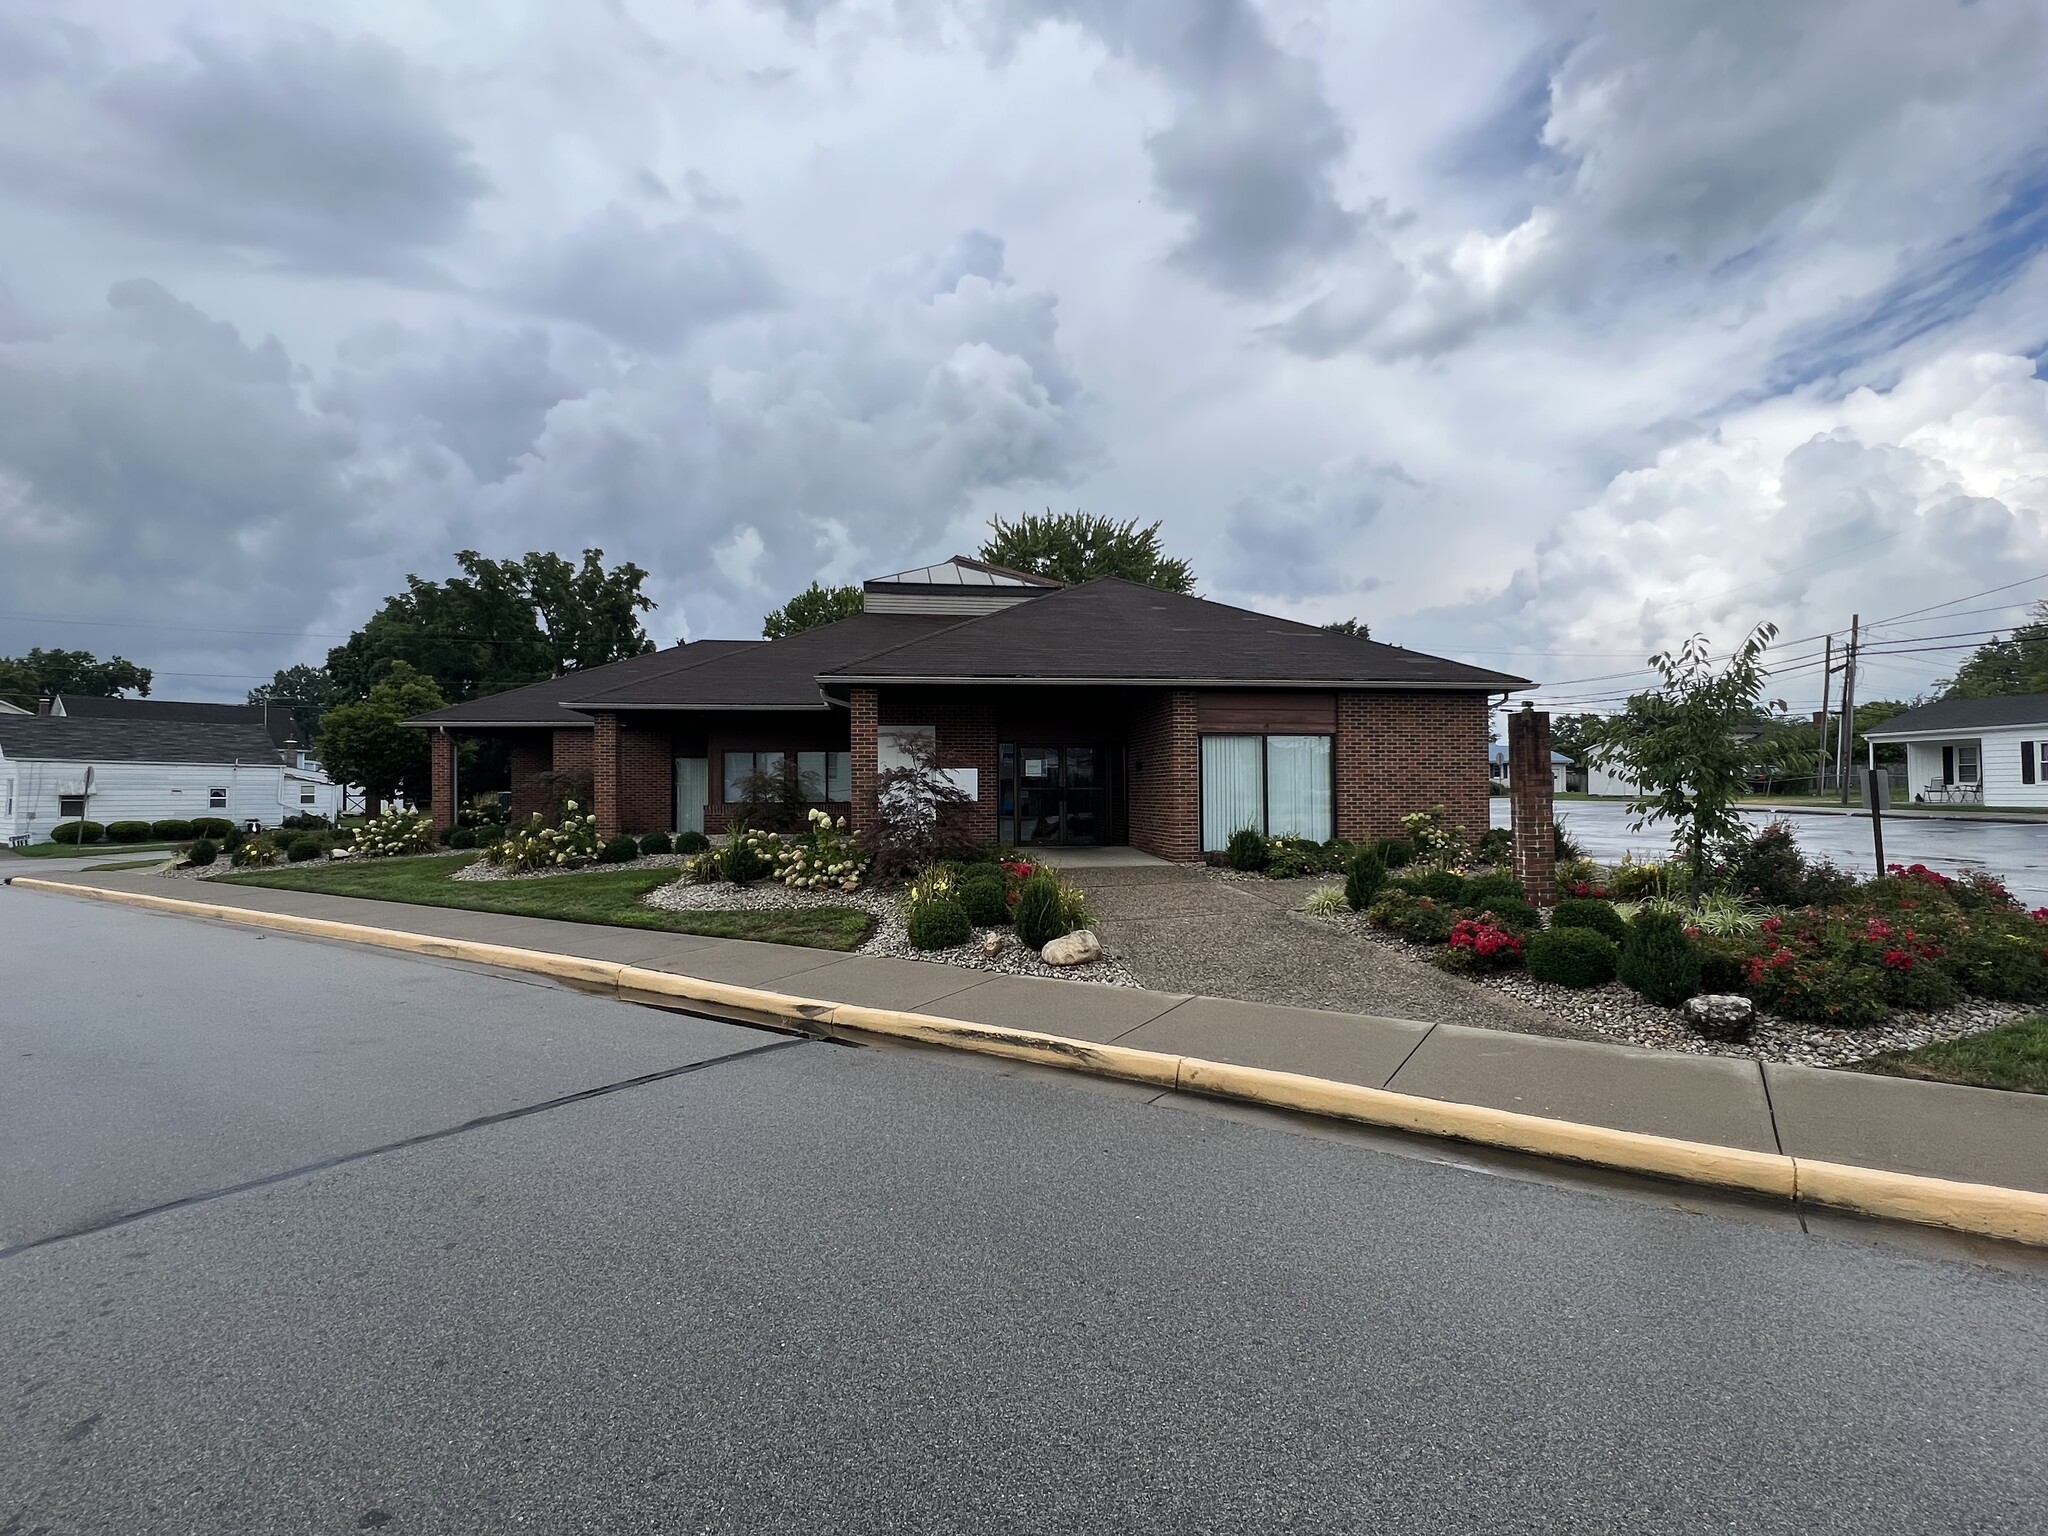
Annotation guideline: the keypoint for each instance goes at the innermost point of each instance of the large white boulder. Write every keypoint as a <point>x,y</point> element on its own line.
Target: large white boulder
<point>1076,948</point>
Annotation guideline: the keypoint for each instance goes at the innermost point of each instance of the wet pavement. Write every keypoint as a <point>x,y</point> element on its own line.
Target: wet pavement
<point>2016,852</point>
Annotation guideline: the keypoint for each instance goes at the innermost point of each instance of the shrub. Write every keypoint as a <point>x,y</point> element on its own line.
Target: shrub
<point>1828,886</point>
<point>202,852</point>
<point>77,832</point>
<point>1635,882</point>
<point>396,832</point>
<point>985,897</point>
<point>744,858</point>
<point>1291,858</point>
<point>1766,866</point>
<point>1724,960</point>
<point>825,854</point>
<point>537,845</point>
<point>657,842</point>
<point>171,830</point>
<point>1478,945</point>
<point>1395,852</point>
<point>940,924</point>
<point>691,842</point>
<point>1818,986</point>
<point>304,848</point>
<point>1513,913</point>
<point>1415,918</point>
<point>1441,886</point>
<point>128,832</point>
<point>1247,850</point>
<point>1363,880</point>
<point>1327,901</point>
<point>619,850</point>
<point>215,827</point>
<point>256,851</point>
<point>1436,841</point>
<point>1993,962</point>
<point>462,837</point>
<point>1658,960</point>
<point>446,836</point>
<point>1581,877</point>
<point>1496,845</point>
<point>1597,916</point>
<point>1042,911</point>
<point>1484,890</point>
<point>1572,956</point>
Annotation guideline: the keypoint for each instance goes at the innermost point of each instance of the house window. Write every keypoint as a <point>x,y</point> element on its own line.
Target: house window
<point>307,795</point>
<point>741,766</point>
<point>1966,764</point>
<point>1281,786</point>
<point>217,799</point>
<point>71,805</point>
<point>825,775</point>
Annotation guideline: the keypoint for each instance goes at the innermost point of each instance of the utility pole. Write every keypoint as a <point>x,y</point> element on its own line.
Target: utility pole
<point>1827,683</point>
<point>1845,738</point>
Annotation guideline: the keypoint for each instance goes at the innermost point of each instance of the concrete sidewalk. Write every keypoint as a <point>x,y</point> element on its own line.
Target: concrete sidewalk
<point>1931,1129</point>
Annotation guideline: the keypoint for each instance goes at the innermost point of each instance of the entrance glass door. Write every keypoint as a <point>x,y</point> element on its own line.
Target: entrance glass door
<point>1052,796</point>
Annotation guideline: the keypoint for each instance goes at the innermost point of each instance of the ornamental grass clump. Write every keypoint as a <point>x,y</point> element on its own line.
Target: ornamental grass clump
<point>748,856</point>
<point>1572,957</point>
<point>1046,910</point>
<point>1327,901</point>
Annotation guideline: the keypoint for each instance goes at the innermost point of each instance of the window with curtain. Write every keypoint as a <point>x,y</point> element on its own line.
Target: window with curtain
<point>1298,787</point>
<point>1233,791</point>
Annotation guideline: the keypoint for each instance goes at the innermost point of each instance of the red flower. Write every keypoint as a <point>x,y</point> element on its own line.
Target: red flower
<point>1772,924</point>
<point>1899,959</point>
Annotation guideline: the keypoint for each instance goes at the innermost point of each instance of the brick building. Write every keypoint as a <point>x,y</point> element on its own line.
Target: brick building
<point>1100,713</point>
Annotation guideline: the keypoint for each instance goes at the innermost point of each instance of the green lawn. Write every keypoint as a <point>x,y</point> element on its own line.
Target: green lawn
<point>90,850</point>
<point>604,896</point>
<point>2015,1057</point>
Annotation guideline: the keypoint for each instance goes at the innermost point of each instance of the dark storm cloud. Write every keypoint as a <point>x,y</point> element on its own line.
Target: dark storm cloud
<point>1295,539</point>
<point>308,150</point>
<point>646,285</point>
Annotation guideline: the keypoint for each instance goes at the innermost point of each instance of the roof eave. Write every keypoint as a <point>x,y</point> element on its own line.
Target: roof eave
<point>1406,685</point>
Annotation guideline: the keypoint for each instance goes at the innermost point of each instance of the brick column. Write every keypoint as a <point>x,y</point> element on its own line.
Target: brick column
<point>1529,794</point>
<point>865,747</point>
<point>441,752</point>
<point>604,774</point>
<point>1164,796</point>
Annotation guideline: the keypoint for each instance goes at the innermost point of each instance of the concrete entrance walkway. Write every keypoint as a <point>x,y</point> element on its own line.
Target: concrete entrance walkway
<point>1933,1129</point>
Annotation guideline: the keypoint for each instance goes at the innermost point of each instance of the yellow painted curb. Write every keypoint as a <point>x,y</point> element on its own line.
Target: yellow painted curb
<point>1988,1210</point>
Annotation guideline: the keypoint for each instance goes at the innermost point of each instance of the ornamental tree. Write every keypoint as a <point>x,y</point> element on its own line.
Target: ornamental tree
<point>811,608</point>
<point>1079,546</point>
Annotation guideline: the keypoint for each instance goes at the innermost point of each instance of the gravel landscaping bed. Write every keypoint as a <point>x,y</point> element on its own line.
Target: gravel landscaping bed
<point>890,938</point>
<point>1613,1012</point>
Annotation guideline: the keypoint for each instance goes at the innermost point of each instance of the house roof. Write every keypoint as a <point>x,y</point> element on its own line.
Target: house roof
<point>61,738</point>
<point>540,704</point>
<point>778,674</point>
<point>1950,715</point>
<point>1115,631</point>
<point>279,721</point>
<point>961,572</point>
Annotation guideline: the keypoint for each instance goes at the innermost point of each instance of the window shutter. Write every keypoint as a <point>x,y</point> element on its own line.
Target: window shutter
<point>1948,765</point>
<point>2026,762</point>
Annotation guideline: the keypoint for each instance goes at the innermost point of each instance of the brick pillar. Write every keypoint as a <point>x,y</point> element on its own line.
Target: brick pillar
<point>441,751</point>
<point>865,747</point>
<point>1529,794</point>
<point>604,774</point>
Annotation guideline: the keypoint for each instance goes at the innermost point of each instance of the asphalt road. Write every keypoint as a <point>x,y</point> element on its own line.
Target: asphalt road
<point>811,1288</point>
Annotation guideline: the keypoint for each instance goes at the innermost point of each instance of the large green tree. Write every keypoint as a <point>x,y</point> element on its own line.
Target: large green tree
<point>1693,742</point>
<point>2018,663</point>
<point>24,679</point>
<point>363,741</point>
<point>813,606</point>
<point>498,625</point>
<point>303,690</point>
<point>1079,546</point>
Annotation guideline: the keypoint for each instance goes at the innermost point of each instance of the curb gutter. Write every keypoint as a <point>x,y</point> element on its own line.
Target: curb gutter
<point>1987,1210</point>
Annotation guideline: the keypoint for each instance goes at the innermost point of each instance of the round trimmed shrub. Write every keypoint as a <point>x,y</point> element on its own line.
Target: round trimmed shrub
<point>77,832</point>
<point>1658,960</point>
<point>1247,850</point>
<point>657,842</point>
<point>1485,890</point>
<point>463,837</point>
<point>1362,881</point>
<point>620,850</point>
<point>985,898</point>
<point>1590,912</point>
<point>446,837</point>
<point>1512,912</point>
<point>215,827</point>
<point>172,830</point>
<point>301,850</point>
<point>691,842</point>
<point>202,852</point>
<point>1442,886</point>
<point>1571,957</point>
<point>1041,915</point>
<point>940,924</point>
<point>127,831</point>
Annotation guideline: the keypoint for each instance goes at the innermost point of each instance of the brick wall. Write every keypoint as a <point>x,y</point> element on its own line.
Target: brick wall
<point>1398,753</point>
<point>572,750</point>
<point>1165,778</point>
<point>965,726</point>
<point>530,758</point>
<point>647,781</point>
<point>1530,794</point>
<point>441,753</point>
<point>861,714</point>
<point>604,774</point>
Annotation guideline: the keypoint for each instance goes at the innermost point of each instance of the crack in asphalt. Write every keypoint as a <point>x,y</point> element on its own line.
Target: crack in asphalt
<point>341,1159</point>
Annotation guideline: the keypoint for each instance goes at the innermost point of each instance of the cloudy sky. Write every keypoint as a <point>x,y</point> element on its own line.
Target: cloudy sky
<point>1537,334</point>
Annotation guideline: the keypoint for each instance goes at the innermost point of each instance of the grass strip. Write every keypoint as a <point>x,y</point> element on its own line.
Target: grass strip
<point>609,897</point>
<point>2014,1057</point>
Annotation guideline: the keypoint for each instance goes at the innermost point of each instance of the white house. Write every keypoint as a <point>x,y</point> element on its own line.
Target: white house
<point>1497,766</point>
<point>148,770</point>
<point>1973,751</point>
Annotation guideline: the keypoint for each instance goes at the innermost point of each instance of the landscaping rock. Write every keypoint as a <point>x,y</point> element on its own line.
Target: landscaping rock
<point>1076,948</point>
<point>1721,1015</point>
<point>994,944</point>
